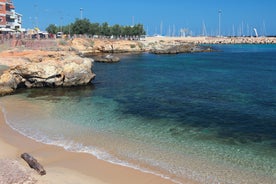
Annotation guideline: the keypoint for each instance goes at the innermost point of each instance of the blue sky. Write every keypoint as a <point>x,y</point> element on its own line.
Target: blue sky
<point>158,16</point>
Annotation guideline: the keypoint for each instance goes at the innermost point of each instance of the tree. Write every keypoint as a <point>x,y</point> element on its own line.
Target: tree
<point>116,30</point>
<point>94,29</point>
<point>81,26</point>
<point>84,26</point>
<point>53,29</point>
<point>67,29</point>
<point>138,30</point>
<point>127,31</point>
<point>105,29</point>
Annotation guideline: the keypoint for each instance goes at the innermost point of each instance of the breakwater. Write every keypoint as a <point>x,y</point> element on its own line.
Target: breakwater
<point>217,40</point>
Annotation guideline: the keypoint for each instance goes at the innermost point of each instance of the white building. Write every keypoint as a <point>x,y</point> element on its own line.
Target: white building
<point>9,18</point>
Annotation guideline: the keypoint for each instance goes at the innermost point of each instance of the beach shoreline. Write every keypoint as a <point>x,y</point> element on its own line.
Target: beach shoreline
<point>64,166</point>
<point>67,167</point>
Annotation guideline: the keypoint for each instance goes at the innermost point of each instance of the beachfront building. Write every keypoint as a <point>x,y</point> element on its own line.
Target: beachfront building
<point>9,19</point>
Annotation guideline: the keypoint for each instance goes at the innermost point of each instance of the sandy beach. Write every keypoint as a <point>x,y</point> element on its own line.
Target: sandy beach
<point>61,166</point>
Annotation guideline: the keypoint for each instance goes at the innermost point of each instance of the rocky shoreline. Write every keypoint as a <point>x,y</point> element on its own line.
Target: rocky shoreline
<point>92,47</point>
<point>180,48</point>
<point>53,69</point>
<point>70,63</point>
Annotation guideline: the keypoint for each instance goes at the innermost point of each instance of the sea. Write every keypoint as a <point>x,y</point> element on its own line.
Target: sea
<point>207,117</point>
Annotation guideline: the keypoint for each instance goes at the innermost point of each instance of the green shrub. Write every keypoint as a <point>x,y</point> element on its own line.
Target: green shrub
<point>132,46</point>
<point>92,43</point>
<point>63,42</point>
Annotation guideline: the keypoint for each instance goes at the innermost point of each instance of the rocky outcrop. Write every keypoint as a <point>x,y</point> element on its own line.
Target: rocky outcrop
<point>70,70</point>
<point>180,48</point>
<point>89,46</point>
<point>106,58</point>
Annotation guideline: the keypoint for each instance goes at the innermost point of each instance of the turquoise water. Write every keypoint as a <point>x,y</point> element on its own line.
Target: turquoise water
<point>209,117</point>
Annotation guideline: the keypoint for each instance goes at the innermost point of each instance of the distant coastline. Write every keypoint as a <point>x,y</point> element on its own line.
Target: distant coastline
<point>218,40</point>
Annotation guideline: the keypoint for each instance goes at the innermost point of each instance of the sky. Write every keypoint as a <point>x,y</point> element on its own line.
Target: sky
<point>163,17</point>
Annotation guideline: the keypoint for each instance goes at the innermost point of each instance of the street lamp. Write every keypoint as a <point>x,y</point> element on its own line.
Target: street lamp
<point>219,23</point>
<point>81,10</point>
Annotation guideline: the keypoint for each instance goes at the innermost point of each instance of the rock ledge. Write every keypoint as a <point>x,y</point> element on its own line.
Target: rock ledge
<point>68,70</point>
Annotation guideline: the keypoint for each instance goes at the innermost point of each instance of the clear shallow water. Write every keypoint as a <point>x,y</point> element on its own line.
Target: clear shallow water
<point>210,117</point>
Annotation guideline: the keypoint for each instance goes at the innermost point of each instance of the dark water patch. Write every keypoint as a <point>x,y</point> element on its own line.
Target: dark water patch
<point>228,91</point>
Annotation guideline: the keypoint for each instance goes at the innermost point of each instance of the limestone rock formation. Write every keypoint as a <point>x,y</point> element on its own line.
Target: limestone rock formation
<point>180,48</point>
<point>89,46</point>
<point>71,70</point>
<point>106,58</point>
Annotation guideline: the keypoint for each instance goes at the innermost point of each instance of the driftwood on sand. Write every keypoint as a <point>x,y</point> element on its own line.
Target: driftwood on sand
<point>33,163</point>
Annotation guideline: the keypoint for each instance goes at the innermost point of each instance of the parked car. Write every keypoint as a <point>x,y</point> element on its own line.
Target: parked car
<point>59,34</point>
<point>41,36</point>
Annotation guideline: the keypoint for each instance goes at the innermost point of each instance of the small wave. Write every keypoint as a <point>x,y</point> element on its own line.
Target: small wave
<point>72,146</point>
